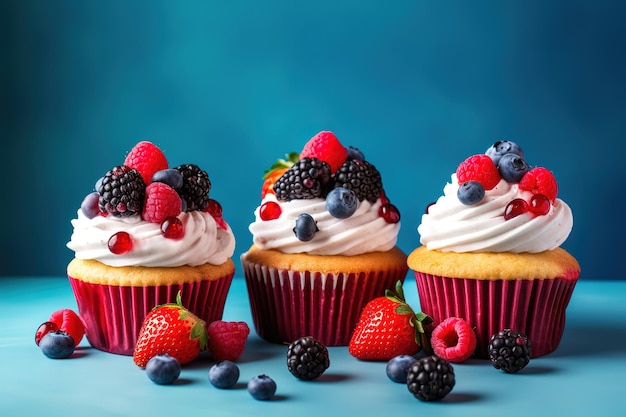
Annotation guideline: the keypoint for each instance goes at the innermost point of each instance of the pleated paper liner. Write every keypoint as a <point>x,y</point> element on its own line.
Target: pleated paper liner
<point>113,314</point>
<point>287,305</point>
<point>535,307</point>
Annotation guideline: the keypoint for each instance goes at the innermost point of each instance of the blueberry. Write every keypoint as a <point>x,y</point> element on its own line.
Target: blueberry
<point>470,192</point>
<point>512,167</point>
<point>90,205</point>
<point>341,203</point>
<point>163,369</point>
<point>57,345</point>
<point>306,227</point>
<point>262,387</point>
<point>354,153</point>
<point>224,374</point>
<point>171,177</point>
<point>398,367</point>
<point>503,147</point>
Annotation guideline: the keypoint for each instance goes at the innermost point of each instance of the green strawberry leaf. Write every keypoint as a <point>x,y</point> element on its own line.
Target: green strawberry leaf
<point>198,331</point>
<point>404,309</point>
<point>291,158</point>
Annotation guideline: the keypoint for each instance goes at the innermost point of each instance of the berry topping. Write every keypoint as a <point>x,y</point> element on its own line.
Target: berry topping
<point>270,210</point>
<point>276,171</point>
<point>170,176</point>
<point>262,387</point>
<point>326,147</point>
<point>503,147</point>
<point>227,339</point>
<point>163,369</point>
<point>398,367</point>
<point>540,180</point>
<point>120,243</point>
<point>44,329</point>
<point>470,193</point>
<point>172,329</point>
<point>355,153</point>
<point>307,178</point>
<point>57,345</point>
<point>305,227</point>
<point>146,158</point>
<point>509,350</point>
<point>453,340</point>
<point>512,167</point>
<point>172,228</point>
<point>539,204</point>
<point>515,208</point>
<point>478,168</point>
<point>307,358</point>
<point>224,374</point>
<point>196,187</point>
<point>430,378</point>
<point>341,203</point>
<point>91,205</point>
<point>361,177</point>
<point>68,321</point>
<point>122,191</point>
<point>162,201</point>
<point>214,208</point>
<point>389,213</point>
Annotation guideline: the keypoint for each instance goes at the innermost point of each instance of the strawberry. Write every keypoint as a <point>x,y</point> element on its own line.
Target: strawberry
<point>387,327</point>
<point>227,339</point>
<point>146,158</point>
<point>276,171</point>
<point>326,147</point>
<point>68,321</point>
<point>478,168</point>
<point>540,180</point>
<point>161,202</point>
<point>171,329</point>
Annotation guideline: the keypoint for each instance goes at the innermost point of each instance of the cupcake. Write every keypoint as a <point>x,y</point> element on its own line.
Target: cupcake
<point>146,233</point>
<point>491,250</point>
<point>323,244</point>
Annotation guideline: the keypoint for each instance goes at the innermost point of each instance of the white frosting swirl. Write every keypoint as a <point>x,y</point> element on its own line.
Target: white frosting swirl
<point>363,232</point>
<point>451,226</point>
<point>203,241</point>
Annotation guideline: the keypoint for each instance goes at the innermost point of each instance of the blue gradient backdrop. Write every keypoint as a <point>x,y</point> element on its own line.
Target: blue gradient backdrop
<point>231,86</point>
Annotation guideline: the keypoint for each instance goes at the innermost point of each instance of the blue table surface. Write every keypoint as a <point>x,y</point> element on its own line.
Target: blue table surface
<point>586,375</point>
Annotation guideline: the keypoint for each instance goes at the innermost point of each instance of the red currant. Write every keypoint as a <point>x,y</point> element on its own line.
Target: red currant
<point>120,243</point>
<point>383,197</point>
<point>172,228</point>
<point>389,212</point>
<point>269,210</point>
<point>214,208</point>
<point>515,208</point>
<point>539,204</point>
<point>44,329</point>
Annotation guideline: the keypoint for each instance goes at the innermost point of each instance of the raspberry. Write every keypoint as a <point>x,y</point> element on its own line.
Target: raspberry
<point>326,147</point>
<point>454,340</point>
<point>68,321</point>
<point>146,158</point>
<point>307,358</point>
<point>540,180</point>
<point>479,168</point>
<point>162,201</point>
<point>227,339</point>
<point>509,350</point>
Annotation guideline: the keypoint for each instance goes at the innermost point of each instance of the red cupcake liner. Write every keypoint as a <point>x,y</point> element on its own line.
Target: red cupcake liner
<point>534,307</point>
<point>287,305</point>
<point>113,314</point>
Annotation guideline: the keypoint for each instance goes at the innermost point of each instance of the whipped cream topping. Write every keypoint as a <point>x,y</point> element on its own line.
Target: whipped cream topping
<point>451,226</point>
<point>203,241</point>
<point>363,232</point>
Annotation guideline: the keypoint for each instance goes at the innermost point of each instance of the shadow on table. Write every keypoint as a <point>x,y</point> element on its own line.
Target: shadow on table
<point>592,339</point>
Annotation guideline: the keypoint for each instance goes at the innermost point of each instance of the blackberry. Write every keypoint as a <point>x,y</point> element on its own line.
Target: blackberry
<point>509,350</point>
<point>307,178</point>
<point>430,378</point>
<point>307,358</point>
<point>361,177</point>
<point>122,191</point>
<point>195,188</point>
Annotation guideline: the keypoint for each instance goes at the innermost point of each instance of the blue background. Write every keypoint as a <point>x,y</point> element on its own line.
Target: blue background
<point>232,86</point>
